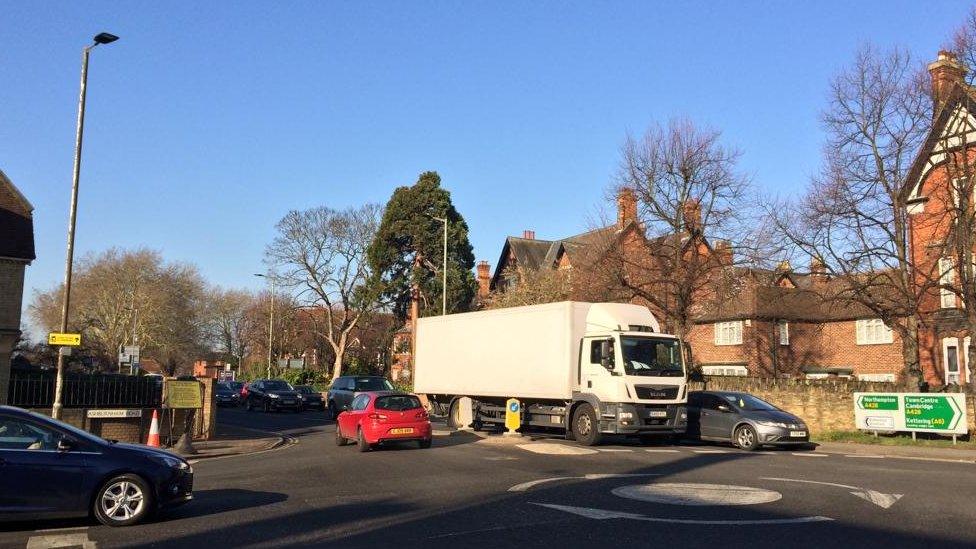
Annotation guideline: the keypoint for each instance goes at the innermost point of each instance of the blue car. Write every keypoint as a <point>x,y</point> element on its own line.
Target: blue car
<point>49,469</point>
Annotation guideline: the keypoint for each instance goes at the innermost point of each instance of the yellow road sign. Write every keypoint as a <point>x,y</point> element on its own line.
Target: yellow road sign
<point>182,394</point>
<point>64,340</point>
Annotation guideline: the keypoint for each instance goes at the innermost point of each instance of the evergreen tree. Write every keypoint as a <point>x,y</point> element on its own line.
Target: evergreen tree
<point>409,234</point>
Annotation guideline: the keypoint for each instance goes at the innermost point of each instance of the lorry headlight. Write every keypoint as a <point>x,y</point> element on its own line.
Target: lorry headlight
<point>625,415</point>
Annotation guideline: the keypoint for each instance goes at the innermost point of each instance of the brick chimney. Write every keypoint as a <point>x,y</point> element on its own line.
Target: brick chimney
<point>723,251</point>
<point>528,235</point>
<point>626,207</point>
<point>818,270</point>
<point>484,279</point>
<point>691,214</point>
<point>946,72</point>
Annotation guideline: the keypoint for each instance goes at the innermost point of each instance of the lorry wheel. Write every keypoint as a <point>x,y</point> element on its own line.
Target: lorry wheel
<point>454,414</point>
<point>586,427</point>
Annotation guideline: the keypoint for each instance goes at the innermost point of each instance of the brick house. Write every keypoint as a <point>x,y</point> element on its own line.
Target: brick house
<point>943,338</point>
<point>770,323</point>
<point>16,253</point>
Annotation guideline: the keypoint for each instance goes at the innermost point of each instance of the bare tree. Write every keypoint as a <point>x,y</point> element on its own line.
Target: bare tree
<point>688,190</point>
<point>963,44</point>
<point>228,324</point>
<point>321,255</point>
<point>530,287</point>
<point>854,215</point>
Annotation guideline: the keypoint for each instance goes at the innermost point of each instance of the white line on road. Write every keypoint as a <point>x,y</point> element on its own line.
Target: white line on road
<point>592,476</point>
<point>603,514</point>
<point>661,451</point>
<point>809,455</point>
<point>526,485</point>
<point>869,456</point>
<point>880,499</point>
<point>613,449</point>
<point>711,451</point>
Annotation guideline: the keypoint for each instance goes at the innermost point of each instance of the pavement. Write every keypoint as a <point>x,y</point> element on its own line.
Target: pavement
<point>233,440</point>
<point>470,490</point>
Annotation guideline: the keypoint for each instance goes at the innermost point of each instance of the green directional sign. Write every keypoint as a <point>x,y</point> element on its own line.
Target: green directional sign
<point>878,402</point>
<point>931,412</point>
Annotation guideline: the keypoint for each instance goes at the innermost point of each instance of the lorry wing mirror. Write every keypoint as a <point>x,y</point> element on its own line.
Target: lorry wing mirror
<point>606,354</point>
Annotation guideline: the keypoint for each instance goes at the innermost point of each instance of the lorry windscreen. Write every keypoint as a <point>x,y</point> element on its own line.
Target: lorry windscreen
<point>645,356</point>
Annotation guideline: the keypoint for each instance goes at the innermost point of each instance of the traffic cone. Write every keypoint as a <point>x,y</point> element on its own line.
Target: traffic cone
<point>154,431</point>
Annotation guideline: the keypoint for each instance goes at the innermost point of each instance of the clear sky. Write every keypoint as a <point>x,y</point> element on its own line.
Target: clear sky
<point>207,121</point>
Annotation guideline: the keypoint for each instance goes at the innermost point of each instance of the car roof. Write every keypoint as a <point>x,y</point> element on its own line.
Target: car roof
<point>385,393</point>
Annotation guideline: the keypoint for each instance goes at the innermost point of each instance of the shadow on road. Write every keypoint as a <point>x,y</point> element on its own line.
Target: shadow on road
<point>212,502</point>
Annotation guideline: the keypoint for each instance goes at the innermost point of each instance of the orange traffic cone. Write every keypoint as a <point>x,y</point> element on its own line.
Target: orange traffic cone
<point>154,431</point>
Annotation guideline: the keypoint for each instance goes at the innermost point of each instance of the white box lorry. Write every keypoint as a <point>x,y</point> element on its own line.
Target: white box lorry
<point>587,368</point>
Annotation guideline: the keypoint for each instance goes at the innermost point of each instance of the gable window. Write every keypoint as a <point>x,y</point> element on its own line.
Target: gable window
<point>946,278</point>
<point>728,333</point>
<point>784,332</point>
<point>873,332</point>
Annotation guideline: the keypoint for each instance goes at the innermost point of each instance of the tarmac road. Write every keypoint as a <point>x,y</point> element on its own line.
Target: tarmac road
<point>467,491</point>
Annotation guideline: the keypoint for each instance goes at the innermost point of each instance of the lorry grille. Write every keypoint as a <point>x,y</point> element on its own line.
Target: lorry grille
<point>656,392</point>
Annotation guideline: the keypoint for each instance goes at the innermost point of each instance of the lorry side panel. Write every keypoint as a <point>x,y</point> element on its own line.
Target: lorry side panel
<point>522,352</point>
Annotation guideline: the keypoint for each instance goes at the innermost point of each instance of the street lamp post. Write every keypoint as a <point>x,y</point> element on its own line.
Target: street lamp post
<point>101,38</point>
<point>271,319</point>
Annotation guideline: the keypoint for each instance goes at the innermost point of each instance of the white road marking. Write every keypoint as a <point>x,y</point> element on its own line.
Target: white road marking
<point>67,529</point>
<point>53,541</point>
<point>592,476</point>
<point>710,451</point>
<point>809,455</point>
<point>686,493</point>
<point>604,514</point>
<point>661,451</point>
<point>501,458</point>
<point>553,449</point>
<point>869,456</point>
<point>613,449</point>
<point>880,499</point>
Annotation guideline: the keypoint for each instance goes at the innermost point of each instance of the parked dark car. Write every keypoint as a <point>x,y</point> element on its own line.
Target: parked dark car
<point>49,469</point>
<point>272,395</point>
<point>311,399</point>
<point>345,388</point>
<point>225,395</point>
<point>742,419</point>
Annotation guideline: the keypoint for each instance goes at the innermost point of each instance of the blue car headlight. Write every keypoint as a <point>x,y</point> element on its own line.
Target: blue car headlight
<point>172,462</point>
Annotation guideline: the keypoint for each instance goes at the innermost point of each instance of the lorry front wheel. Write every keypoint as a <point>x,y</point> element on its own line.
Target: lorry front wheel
<point>586,427</point>
<point>454,414</point>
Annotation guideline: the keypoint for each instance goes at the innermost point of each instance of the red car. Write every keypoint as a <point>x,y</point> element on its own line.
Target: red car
<point>383,416</point>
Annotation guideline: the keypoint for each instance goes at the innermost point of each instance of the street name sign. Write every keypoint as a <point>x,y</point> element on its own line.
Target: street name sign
<point>63,340</point>
<point>943,413</point>
<point>114,413</point>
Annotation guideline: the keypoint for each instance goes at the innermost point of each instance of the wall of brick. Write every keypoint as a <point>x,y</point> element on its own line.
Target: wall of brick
<point>823,405</point>
<point>11,302</point>
<point>828,345</point>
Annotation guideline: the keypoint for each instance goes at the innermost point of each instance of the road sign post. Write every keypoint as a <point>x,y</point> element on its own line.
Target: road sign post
<point>57,339</point>
<point>942,413</point>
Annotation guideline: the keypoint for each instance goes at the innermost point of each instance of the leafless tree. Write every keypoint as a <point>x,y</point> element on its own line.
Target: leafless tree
<point>530,287</point>
<point>228,324</point>
<point>854,215</point>
<point>695,202</point>
<point>321,255</point>
<point>963,43</point>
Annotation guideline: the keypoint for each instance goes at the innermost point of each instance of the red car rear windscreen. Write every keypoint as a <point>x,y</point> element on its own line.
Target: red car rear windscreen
<point>397,403</point>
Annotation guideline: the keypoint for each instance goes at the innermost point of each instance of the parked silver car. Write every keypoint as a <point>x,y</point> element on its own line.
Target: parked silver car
<point>742,419</point>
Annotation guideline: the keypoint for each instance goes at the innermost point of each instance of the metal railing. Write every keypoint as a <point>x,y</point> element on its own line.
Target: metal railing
<point>36,390</point>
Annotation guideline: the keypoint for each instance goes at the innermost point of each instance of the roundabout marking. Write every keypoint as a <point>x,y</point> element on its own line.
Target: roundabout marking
<point>696,494</point>
<point>604,514</point>
<point>556,449</point>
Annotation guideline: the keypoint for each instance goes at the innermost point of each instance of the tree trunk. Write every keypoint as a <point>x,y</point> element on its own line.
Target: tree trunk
<point>913,376</point>
<point>337,365</point>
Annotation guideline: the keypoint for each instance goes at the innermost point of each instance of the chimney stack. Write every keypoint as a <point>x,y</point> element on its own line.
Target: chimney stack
<point>626,207</point>
<point>484,279</point>
<point>691,213</point>
<point>723,251</point>
<point>528,235</point>
<point>818,270</point>
<point>946,72</point>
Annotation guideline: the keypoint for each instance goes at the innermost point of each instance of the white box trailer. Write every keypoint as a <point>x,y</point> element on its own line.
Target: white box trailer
<point>560,360</point>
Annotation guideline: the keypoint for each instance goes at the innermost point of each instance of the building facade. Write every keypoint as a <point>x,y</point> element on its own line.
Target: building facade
<point>16,253</point>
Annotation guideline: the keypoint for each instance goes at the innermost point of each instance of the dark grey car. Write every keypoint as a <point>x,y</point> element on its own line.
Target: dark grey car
<point>742,419</point>
<point>344,388</point>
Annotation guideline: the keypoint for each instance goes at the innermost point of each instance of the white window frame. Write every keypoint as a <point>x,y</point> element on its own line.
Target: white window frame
<point>948,342</point>
<point>947,276</point>
<point>728,333</point>
<point>784,332</point>
<point>872,331</point>
<point>880,378</point>
<point>725,370</point>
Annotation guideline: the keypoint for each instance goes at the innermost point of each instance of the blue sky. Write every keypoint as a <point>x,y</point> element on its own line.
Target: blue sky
<point>209,121</point>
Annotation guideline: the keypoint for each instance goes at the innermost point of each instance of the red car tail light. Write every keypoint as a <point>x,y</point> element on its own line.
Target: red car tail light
<point>422,415</point>
<point>378,417</point>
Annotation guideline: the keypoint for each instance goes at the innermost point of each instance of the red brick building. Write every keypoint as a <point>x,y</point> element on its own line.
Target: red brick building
<point>771,323</point>
<point>943,338</point>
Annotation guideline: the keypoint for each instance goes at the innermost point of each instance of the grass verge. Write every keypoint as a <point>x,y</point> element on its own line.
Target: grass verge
<point>896,439</point>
